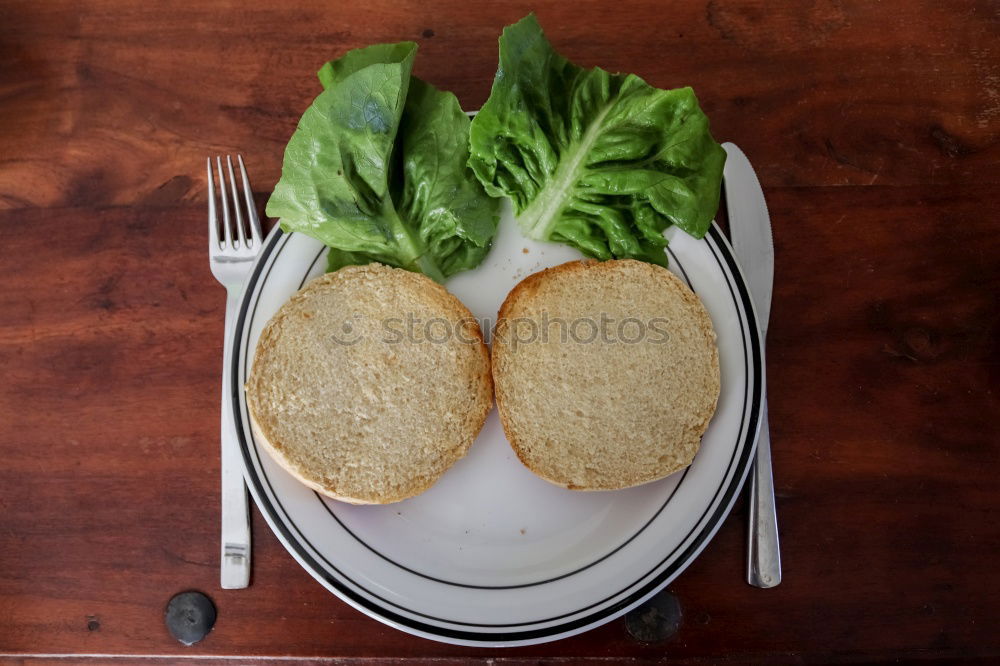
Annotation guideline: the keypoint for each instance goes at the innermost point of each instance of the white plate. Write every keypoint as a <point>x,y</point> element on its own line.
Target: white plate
<point>493,555</point>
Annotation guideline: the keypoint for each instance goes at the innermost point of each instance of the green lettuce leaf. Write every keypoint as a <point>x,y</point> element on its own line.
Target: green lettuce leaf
<point>456,219</point>
<point>357,59</point>
<point>603,162</point>
<point>377,170</point>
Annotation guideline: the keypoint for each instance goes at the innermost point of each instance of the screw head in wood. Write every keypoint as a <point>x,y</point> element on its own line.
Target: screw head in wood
<point>190,616</point>
<point>656,620</point>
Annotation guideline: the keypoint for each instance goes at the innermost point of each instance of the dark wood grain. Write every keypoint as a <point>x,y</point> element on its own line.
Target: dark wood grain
<point>117,103</point>
<point>874,127</point>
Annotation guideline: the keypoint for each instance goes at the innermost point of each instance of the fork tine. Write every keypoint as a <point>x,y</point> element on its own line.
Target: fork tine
<point>213,216</point>
<point>227,223</point>
<point>240,229</point>
<point>251,206</point>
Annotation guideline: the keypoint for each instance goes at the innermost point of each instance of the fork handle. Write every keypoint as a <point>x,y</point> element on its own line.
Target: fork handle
<point>764,553</point>
<point>234,570</point>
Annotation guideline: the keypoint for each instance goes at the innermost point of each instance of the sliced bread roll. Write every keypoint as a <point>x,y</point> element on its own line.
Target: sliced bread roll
<point>369,383</point>
<point>606,374</point>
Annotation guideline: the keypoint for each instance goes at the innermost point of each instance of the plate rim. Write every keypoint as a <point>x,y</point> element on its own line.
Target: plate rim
<point>701,538</point>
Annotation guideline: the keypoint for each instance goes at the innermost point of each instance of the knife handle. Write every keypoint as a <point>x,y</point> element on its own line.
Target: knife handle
<point>764,553</point>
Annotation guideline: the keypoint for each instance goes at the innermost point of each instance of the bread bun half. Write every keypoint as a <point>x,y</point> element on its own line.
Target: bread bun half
<point>369,383</point>
<point>606,373</point>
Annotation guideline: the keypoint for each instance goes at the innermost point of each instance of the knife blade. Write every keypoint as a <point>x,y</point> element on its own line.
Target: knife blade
<point>750,231</point>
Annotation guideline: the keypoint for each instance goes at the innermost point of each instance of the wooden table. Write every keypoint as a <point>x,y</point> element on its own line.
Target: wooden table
<point>874,128</point>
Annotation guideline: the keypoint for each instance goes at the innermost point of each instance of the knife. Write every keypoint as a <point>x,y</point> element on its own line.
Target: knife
<point>750,231</point>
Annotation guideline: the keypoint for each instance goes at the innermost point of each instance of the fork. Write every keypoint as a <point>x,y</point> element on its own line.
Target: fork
<point>231,258</point>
